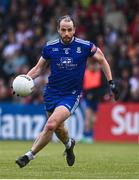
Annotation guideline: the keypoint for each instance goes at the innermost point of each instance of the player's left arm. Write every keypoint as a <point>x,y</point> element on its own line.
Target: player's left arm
<point>99,56</point>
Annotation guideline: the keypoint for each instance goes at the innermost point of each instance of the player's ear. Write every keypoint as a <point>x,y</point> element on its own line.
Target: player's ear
<point>74,29</point>
<point>58,30</point>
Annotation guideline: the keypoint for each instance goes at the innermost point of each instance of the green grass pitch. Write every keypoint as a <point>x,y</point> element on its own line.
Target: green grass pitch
<point>93,161</point>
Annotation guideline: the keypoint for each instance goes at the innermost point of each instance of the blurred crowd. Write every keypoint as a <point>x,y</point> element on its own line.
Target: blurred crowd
<point>25,26</point>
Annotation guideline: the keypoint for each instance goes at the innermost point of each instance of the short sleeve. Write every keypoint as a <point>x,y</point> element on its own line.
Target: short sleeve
<point>93,49</point>
<point>45,52</point>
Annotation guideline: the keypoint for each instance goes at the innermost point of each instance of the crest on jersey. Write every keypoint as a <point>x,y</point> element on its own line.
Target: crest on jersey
<point>78,49</point>
<point>66,50</point>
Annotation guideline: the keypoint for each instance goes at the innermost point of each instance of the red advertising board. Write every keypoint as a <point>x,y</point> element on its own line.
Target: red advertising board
<point>117,122</point>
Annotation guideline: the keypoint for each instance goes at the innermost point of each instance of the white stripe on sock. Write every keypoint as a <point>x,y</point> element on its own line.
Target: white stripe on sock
<point>68,144</point>
<point>30,155</point>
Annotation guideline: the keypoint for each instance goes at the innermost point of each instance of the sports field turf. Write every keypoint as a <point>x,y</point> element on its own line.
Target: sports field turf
<point>97,161</point>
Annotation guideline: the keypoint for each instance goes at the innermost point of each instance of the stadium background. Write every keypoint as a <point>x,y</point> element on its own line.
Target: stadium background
<point>113,25</point>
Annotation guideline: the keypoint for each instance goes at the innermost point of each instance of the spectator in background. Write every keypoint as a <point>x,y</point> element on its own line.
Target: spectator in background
<point>96,25</point>
<point>111,37</point>
<point>134,28</point>
<point>51,30</point>
<point>4,93</point>
<point>85,4</point>
<point>134,82</point>
<point>23,32</point>
<point>123,61</point>
<point>115,17</point>
<point>14,63</point>
<point>125,95</point>
<point>10,54</point>
<point>11,45</point>
<point>96,8</point>
<point>93,92</point>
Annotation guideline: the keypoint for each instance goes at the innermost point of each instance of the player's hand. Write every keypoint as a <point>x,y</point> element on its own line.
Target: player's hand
<point>114,89</point>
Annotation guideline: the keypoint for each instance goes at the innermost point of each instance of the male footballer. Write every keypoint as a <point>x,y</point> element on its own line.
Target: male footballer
<point>67,57</point>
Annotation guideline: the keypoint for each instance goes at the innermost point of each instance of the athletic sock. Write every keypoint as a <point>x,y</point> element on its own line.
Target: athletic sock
<point>30,155</point>
<point>68,143</point>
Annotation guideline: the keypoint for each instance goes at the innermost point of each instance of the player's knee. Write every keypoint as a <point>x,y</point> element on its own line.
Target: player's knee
<point>50,126</point>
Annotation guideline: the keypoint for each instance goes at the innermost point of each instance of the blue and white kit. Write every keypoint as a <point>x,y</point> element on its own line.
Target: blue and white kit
<point>67,63</point>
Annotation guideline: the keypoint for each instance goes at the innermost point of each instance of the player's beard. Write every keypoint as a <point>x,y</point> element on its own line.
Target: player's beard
<point>66,39</point>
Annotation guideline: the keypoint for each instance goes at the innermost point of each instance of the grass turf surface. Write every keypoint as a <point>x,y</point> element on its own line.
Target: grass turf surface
<point>93,161</point>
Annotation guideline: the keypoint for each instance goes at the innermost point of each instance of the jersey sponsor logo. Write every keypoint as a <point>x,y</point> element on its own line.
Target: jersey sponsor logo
<point>66,63</point>
<point>66,50</point>
<point>78,50</point>
<point>66,60</point>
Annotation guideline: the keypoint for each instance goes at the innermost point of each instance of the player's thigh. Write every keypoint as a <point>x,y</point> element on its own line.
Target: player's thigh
<point>60,114</point>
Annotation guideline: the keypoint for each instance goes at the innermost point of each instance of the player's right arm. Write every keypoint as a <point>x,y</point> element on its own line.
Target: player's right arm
<point>38,68</point>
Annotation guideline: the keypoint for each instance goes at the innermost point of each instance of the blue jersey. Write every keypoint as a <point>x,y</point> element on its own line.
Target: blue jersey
<point>67,63</point>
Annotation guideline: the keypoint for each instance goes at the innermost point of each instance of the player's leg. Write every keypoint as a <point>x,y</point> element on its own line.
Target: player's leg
<point>39,136</point>
<point>69,143</point>
<point>59,115</point>
<point>71,103</point>
<point>62,133</point>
